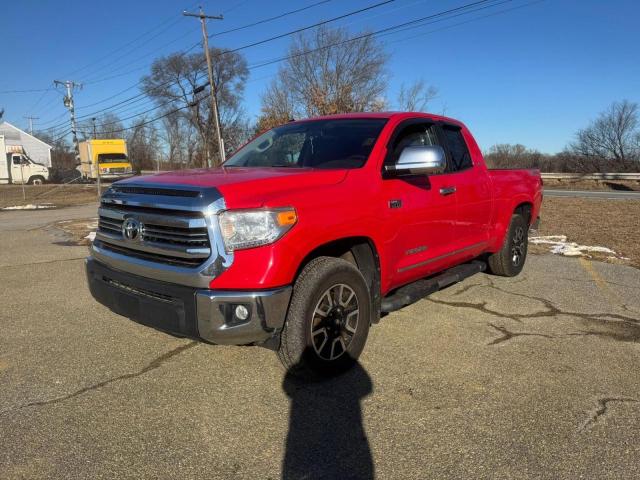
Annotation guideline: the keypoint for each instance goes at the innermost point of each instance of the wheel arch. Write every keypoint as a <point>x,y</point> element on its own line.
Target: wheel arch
<point>525,209</point>
<point>519,205</point>
<point>362,252</point>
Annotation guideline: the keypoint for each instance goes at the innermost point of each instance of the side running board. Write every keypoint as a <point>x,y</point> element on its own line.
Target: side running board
<point>419,289</point>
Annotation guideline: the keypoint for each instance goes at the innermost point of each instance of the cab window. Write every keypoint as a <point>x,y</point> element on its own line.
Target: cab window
<point>460,159</point>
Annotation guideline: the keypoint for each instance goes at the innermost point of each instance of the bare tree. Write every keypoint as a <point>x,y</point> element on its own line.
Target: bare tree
<point>174,84</point>
<point>327,72</point>
<point>278,107</point>
<point>107,125</point>
<point>143,145</point>
<point>63,159</point>
<point>416,96</point>
<point>613,136</point>
<point>513,156</point>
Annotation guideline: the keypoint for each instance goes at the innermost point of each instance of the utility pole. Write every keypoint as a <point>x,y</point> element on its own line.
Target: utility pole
<point>214,97</point>
<point>31,119</point>
<point>95,135</point>
<point>68,102</point>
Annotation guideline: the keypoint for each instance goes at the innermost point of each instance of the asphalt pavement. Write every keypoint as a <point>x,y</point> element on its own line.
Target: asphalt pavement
<point>615,195</point>
<point>530,377</point>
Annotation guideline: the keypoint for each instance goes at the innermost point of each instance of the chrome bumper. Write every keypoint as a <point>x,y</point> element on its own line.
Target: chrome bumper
<point>116,176</point>
<point>186,311</point>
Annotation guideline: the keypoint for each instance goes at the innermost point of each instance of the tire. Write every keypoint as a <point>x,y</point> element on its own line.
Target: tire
<point>510,259</point>
<point>37,180</point>
<point>318,326</point>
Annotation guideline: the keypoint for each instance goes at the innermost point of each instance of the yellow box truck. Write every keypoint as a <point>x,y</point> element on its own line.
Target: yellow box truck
<point>106,156</point>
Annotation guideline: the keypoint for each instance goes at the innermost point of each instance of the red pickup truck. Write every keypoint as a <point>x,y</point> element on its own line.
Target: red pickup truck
<point>310,233</point>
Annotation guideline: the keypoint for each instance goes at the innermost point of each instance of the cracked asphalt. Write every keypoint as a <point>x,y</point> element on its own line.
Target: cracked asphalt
<point>531,377</point>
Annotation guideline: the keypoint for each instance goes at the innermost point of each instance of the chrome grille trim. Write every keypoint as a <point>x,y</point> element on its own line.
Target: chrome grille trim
<point>181,240</point>
<point>168,235</point>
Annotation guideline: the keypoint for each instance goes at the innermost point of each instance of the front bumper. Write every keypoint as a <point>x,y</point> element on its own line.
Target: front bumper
<point>191,312</point>
<point>116,176</point>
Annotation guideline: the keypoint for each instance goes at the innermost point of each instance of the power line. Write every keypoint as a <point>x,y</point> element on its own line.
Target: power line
<point>377,32</point>
<point>260,22</point>
<point>171,19</point>
<point>416,23</point>
<point>260,42</point>
<point>30,90</point>
<point>236,29</point>
<point>411,22</point>
<point>270,19</point>
<point>254,44</point>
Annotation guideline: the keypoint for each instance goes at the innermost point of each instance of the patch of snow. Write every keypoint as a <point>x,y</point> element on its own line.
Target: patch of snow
<point>560,246</point>
<point>91,237</point>
<point>30,207</point>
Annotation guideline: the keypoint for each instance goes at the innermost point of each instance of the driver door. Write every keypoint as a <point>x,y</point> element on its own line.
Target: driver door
<point>421,214</point>
<point>18,170</point>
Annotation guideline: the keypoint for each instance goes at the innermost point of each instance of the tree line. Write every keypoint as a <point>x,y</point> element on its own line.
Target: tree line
<point>324,72</point>
<point>610,143</point>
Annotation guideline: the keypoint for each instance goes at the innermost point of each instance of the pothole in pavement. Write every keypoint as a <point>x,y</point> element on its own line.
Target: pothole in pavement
<point>74,233</point>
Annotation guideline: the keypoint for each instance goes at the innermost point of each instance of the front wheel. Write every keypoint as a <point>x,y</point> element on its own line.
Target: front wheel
<point>37,180</point>
<point>328,319</point>
<point>509,260</point>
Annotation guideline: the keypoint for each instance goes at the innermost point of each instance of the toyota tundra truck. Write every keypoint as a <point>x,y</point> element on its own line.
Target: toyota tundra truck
<point>310,233</point>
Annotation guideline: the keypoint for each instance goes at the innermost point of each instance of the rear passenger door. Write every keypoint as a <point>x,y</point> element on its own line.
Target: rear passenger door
<point>472,191</point>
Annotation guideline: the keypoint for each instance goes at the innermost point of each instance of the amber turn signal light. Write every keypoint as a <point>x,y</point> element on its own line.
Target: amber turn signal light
<point>287,217</point>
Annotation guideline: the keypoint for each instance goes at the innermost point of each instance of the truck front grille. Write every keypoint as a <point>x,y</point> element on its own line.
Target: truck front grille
<point>166,236</point>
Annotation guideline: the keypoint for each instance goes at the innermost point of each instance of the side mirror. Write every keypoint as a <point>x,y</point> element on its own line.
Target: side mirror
<point>420,160</point>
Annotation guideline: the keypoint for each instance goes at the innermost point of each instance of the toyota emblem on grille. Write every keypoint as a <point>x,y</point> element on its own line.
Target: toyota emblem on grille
<point>132,229</point>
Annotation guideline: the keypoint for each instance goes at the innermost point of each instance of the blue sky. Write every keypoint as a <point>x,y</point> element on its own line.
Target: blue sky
<point>531,75</point>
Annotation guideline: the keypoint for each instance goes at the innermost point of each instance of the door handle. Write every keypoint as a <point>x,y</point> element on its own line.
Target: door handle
<point>447,190</point>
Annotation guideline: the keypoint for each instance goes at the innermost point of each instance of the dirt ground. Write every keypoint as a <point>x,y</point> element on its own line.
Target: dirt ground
<point>592,221</point>
<point>58,195</point>
<point>587,221</point>
<point>617,185</point>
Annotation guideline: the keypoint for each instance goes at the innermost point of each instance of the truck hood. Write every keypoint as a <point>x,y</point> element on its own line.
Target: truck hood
<point>246,187</point>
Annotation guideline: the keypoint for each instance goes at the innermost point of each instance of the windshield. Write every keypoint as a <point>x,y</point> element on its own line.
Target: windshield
<point>112,158</point>
<point>344,143</point>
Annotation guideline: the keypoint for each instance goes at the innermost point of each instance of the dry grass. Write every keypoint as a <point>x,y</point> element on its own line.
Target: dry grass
<point>58,195</point>
<point>588,221</point>
<point>591,221</point>
<point>608,185</point>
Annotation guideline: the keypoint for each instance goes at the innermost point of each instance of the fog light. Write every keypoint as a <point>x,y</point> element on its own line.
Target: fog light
<point>241,312</point>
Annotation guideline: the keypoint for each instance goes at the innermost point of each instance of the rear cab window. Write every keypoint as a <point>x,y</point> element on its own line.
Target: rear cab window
<point>459,156</point>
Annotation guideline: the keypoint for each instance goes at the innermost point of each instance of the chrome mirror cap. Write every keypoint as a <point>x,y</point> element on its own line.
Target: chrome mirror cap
<point>420,160</point>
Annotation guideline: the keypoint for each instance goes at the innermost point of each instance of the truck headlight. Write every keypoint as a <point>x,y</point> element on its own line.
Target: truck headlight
<point>256,227</point>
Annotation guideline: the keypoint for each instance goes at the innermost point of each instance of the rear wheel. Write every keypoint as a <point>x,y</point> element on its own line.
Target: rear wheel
<point>509,260</point>
<point>328,319</point>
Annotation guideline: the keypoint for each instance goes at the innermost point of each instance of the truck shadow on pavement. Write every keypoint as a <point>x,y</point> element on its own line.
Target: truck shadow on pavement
<point>326,438</point>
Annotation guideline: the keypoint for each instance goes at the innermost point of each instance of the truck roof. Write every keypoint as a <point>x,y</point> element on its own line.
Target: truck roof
<point>388,115</point>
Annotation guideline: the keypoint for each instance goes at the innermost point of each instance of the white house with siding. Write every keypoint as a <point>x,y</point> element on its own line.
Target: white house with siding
<point>36,149</point>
